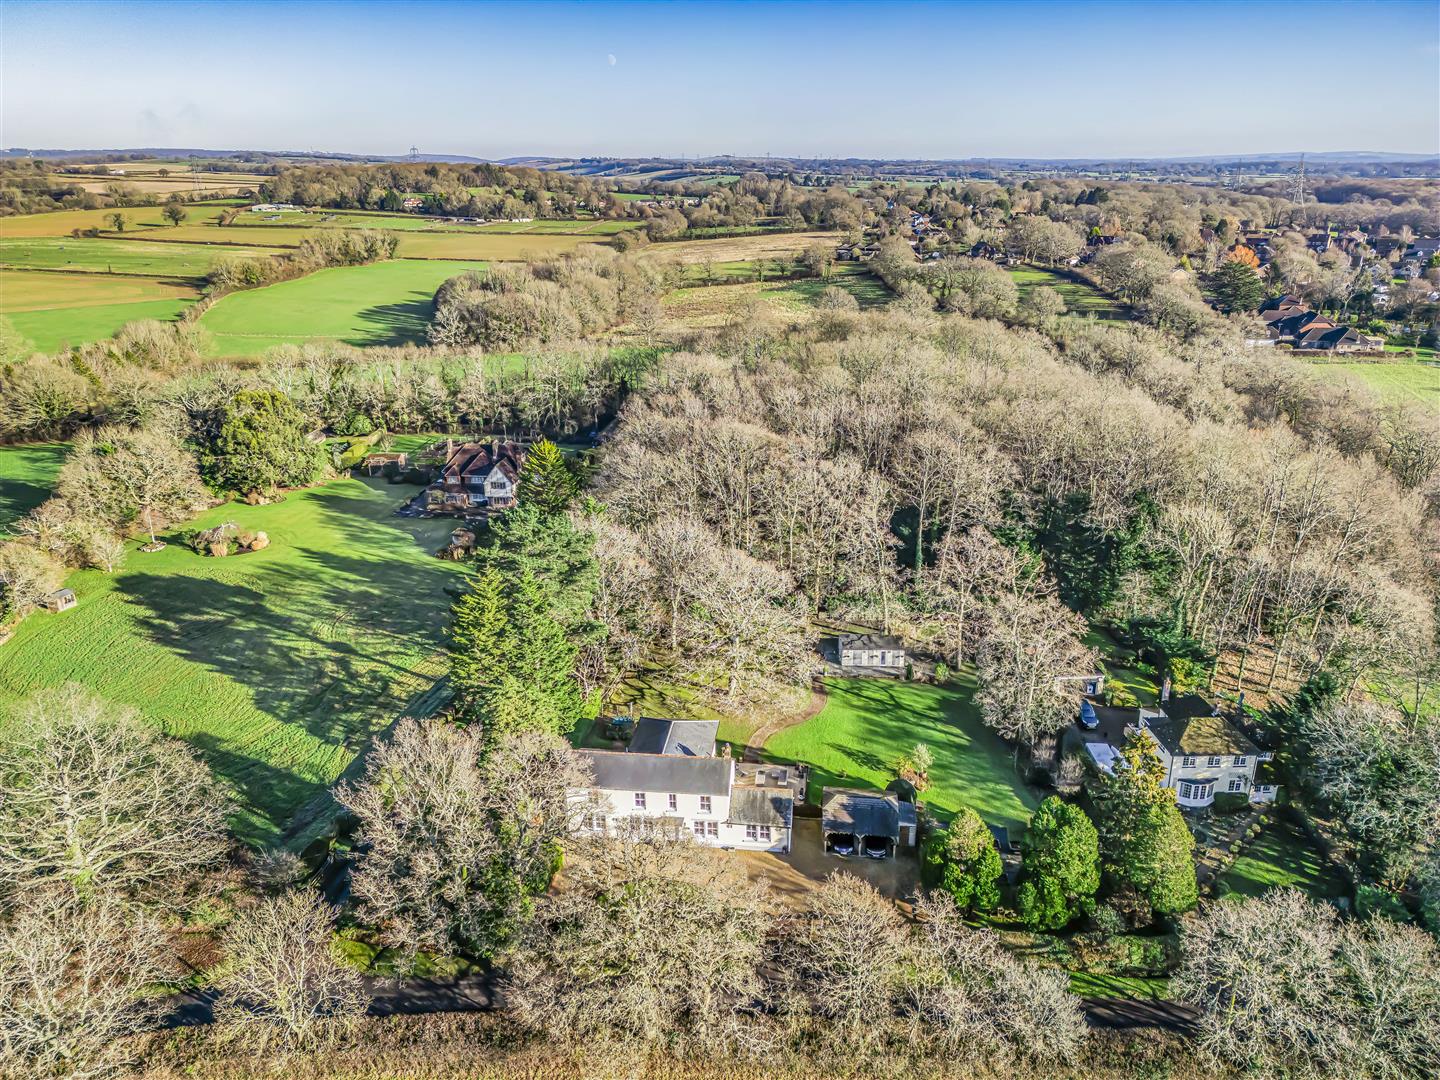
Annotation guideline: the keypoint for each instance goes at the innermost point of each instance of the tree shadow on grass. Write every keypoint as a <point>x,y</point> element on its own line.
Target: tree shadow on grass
<point>329,649</point>
<point>401,323</point>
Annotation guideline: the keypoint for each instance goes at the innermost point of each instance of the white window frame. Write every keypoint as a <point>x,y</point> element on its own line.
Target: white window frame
<point>705,804</point>
<point>672,801</point>
<point>1213,761</point>
<point>765,833</point>
<point>1185,789</point>
<point>1187,762</point>
<point>752,832</point>
<point>1236,784</point>
<point>712,828</point>
<point>1241,761</point>
<point>639,800</point>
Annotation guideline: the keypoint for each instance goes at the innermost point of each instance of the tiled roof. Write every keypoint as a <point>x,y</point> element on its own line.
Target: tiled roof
<point>864,813</point>
<point>617,770</point>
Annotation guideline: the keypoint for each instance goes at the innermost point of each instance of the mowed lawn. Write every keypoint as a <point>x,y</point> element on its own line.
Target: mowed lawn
<point>51,310</point>
<point>1080,298</point>
<point>384,303</point>
<point>278,666</point>
<point>100,255</point>
<point>27,476</point>
<point>1282,856</point>
<point>868,723</point>
<point>1403,380</point>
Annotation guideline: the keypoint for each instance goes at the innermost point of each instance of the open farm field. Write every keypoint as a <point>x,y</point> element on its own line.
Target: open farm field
<point>1080,298</point>
<point>105,256</point>
<point>277,666</point>
<point>491,246</point>
<point>52,310</point>
<point>1399,381</point>
<point>63,222</point>
<point>420,223</point>
<point>741,248</point>
<point>868,723</point>
<point>386,303</point>
<point>714,305</point>
<point>867,289</point>
<point>182,183</point>
<point>27,476</point>
<point>337,219</point>
<point>240,235</point>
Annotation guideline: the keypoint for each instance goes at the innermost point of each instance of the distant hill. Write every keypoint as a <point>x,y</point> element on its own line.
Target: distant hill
<point>657,167</point>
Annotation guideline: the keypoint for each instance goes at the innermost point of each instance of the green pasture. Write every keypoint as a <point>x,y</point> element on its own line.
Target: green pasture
<point>1080,298</point>
<point>277,666</point>
<point>867,724</point>
<point>51,331</point>
<point>1401,380</point>
<point>52,310</point>
<point>385,303</point>
<point>102,255</point>
<point>27,476</point>
<point>869,290</point>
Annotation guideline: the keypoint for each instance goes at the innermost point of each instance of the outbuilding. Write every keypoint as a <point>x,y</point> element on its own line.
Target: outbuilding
<point>60,600</point>
<point>865,823</point>
<point>871,651</point>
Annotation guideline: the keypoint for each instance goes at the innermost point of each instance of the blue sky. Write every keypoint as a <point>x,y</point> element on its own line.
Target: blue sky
<point>947,80</point>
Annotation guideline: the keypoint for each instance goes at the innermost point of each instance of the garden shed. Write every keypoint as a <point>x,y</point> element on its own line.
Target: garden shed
<point>60,600</point>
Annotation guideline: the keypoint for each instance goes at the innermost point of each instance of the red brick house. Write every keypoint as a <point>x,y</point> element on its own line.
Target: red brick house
<point>478,474</point>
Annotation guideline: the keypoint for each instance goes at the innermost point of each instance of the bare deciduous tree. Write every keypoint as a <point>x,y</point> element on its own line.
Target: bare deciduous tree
<point>1262,974</point>
<point>456,846</point>
<point>1031,641</point>
<point>979,1000</point>
<point>651,940</point>
<point>27,576</point>
<point>93,797</point>
<point>73,977</point>
<point>283,983</point>
<point>848,948</point>
<point>127,476</point>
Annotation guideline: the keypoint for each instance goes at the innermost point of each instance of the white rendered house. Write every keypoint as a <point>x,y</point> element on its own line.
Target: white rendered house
<point>672,776</point>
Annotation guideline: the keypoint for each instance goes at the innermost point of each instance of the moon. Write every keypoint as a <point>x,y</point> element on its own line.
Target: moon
<point>610,59</point>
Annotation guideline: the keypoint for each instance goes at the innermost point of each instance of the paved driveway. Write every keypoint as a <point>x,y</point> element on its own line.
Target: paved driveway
<point>793,876</point>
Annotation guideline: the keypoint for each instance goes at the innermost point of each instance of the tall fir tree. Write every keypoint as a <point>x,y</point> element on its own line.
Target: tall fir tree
<point>546,482</point>
<point>1236,286</point>
<point>512,664</point>
<point>479,630</point>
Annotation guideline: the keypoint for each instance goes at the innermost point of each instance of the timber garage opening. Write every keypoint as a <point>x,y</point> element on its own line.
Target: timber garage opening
<point>865,824</point>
